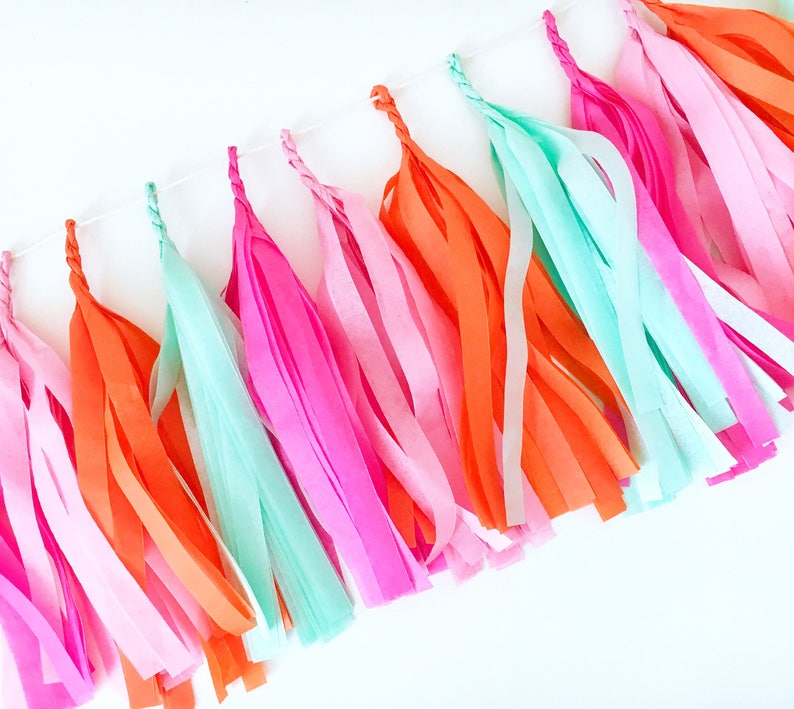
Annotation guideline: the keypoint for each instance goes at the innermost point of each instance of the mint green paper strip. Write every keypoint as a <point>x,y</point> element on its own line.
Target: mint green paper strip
<point>786,9</point>
<point>589,238</point>
<point>260,517</point>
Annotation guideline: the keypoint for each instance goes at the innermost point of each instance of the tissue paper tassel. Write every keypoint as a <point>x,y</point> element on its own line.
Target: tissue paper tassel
<point>512,325</point>
<point>297,387</point>
<point>399,358</point>
<point>141,486</point>
<point>578,191</point>
<point>40,595</point>
<point>258,513</point>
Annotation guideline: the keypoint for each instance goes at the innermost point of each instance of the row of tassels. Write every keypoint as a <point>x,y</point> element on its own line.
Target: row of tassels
<point>455,384</point>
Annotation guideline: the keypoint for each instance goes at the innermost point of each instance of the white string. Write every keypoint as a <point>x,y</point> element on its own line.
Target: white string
<point>488,46</point>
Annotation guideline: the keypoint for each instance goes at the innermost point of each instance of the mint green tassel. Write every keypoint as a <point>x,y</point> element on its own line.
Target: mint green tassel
<point>579,194</point>
<point>260,517</point>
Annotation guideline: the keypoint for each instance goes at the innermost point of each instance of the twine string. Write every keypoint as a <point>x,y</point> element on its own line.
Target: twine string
<point>326,118</point>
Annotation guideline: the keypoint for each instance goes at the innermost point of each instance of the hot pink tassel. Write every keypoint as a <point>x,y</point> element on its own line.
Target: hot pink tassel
<point>294,380</point>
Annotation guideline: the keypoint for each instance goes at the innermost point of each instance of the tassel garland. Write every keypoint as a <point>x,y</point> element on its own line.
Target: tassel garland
<point>457,382</point>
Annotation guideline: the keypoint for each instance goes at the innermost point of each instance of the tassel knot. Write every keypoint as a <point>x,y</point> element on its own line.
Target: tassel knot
<point>385,102</point>
<point>318,189</point>
<point>76,276</point>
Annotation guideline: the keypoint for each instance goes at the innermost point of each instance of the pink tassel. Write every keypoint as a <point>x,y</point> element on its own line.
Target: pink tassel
<point>399,358</point>
<point>55,560</point>
<point>298,388</point>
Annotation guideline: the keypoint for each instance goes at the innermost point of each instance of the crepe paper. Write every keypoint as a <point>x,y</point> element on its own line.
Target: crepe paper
<point>399,358</point>
<point>662,226</point>
<point>297,387</point>
<point>260,517</point>
<point>127,475</point>
<point>734,176</point>
<point>588,234</point>
<point>750,50</point>
<point>507,309</point>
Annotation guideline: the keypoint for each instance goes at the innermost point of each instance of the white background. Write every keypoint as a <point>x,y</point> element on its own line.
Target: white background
<point>687,606</point>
